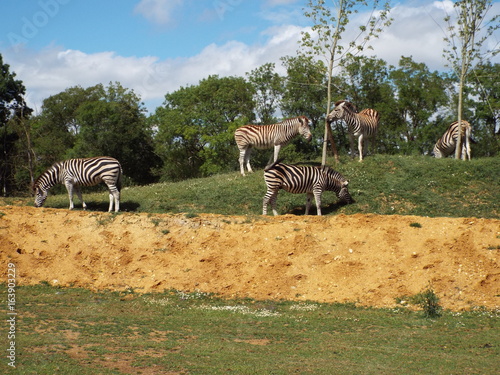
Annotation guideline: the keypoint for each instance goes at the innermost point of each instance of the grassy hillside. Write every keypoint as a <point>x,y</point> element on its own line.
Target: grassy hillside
<point>382,184</point>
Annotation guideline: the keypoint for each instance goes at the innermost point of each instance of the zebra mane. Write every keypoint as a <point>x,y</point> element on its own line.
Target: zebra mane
<point>347,105</point>
<point>287,120</point>
<point>56,165</point>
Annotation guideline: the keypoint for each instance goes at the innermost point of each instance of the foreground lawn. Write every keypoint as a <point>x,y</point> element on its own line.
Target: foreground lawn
<point>68,331</point>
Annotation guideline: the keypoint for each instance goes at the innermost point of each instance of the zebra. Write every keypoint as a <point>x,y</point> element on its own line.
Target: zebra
<point>267,136</point>
<point>74,173</point>
<point>448,142</point>
<point>362,125</point>
<point>312,180</point>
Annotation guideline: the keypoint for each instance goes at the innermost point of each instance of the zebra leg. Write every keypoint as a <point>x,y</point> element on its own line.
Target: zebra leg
<point>317,196</point>
<point>79,194</point>
<point>114,197</point>
<point>360,146</point>
<point>466,150</point>
<point>242,160</point>
<point>247,160</point>
<point>270,198</point>
<point>277,149</point>
<point>351,143</point>
<point>69,188</point>
<point>308,203</point>
<point>270,194</point>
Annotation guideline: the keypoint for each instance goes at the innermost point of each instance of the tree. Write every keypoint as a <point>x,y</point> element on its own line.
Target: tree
<point>196,126</point>
<point>420,95</point>
<point>327,31</point>
<point>268,87</point>
<point>96,121</point>
<point>115,125</point>
<point>304,88</point>
<point>57,127</point>
<point>484,102</point>
<point>13,110</point>
<point>465,40</point>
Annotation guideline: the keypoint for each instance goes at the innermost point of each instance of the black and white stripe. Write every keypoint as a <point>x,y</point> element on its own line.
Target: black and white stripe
<point>362,125</point>
<point>446,145</point>
<point>267,136</point>
<point>312,180</point>
<point>74,173</point>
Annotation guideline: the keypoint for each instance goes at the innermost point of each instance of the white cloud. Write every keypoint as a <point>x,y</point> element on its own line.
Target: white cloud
<point>446,5</point>
<point>160,12</point>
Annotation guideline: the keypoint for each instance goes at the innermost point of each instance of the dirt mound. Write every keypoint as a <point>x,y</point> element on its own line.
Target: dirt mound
<point>367,259</point>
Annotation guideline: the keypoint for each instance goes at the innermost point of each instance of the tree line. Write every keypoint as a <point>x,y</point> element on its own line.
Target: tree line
<point>191,133</point>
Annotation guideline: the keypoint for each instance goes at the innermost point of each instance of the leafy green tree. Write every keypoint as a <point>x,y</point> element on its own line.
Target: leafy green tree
<point>304,94</point>
<point>196,126</point>
<point>14,113</point>
<point>57,127</point>
<point>96,121</point>
<point>465,41</point>
<point>304,88</point>
<point>326,34</point>
<point>420,95</point>
<point>268,87</point>
<point>484,100</point>
<point>115,125</point>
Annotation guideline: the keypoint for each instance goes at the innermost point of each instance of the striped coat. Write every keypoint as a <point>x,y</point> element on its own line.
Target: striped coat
<point>74,173</point>
<point>311,180</point>
<point>267,136</point>
<point>446,145</point>
<point>362,125</point>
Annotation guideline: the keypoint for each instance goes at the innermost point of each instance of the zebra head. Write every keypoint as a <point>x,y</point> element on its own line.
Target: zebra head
<point>344,195</point>
<point>304,128</point>
<point>338,113</point>
<point>40,195</point>
<point>337,183</point>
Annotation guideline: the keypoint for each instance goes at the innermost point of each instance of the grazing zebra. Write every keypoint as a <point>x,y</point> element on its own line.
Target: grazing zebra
<point>267,136</point>
<point>362,125</point>
<point>74,173</point>
<point>312,180</point>
<point>448,142</point>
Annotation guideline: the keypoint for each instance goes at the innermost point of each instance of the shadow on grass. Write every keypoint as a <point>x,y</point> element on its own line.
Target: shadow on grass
<point>325,210</point>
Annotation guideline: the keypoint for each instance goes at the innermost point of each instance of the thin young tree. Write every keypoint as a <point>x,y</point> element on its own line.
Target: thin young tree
<point>330,23</point>
<point>467,33</point>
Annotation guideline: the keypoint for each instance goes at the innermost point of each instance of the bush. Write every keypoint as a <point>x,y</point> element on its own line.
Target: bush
<point>428,301</point>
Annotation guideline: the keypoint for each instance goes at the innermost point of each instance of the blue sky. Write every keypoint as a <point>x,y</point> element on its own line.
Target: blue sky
<point>157,46</point>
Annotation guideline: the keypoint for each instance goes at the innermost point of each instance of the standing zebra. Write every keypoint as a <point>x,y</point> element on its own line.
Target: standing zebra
<point>267,136</point>
<point>74,173</point>
<point>312,180</point>
<point>448,142</point>
<point>362,125</point>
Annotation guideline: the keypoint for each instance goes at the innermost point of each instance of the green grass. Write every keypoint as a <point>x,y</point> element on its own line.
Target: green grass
<point>63,329</point>
<point>382,184</point>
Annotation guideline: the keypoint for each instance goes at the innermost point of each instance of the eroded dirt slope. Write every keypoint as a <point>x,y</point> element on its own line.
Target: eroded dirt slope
<point>368,259</point>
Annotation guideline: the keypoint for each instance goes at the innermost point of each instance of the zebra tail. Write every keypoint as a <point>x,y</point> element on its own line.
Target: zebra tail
<point>271,165</point>
<point>119,180</point>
